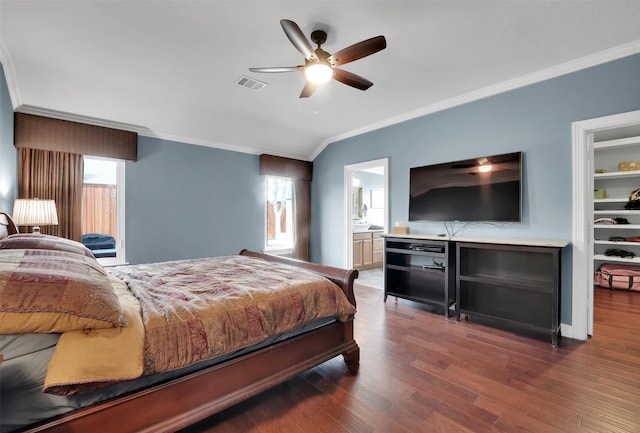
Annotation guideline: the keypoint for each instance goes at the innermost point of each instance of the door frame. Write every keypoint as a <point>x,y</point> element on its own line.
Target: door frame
<point>582,248</point>
<point>348,204</point>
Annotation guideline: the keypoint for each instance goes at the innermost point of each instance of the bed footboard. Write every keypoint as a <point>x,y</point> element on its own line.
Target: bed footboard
<point>344,278</point>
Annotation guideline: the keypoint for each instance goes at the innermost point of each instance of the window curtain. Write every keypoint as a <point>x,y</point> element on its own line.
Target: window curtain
<point>302,223</point>
<point>51,166</point>
<point>301,173</point>
<point>58,176</point>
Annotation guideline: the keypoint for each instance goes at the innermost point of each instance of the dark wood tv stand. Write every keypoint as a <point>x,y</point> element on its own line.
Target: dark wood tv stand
<point>420,270</point>
<point>511,284</point>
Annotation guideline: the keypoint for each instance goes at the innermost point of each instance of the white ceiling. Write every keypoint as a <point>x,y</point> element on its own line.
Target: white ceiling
<point>169,68</point>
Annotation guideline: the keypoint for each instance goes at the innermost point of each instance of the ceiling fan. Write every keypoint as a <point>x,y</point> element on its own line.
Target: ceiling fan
<point>320,66</point>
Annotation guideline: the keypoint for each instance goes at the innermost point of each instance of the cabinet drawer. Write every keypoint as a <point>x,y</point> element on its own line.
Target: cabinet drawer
<point>377,257</point>
<point>378,244</point>
<point>361,236</point>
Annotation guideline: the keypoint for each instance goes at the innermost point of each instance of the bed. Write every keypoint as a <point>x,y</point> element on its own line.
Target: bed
<point>162,394</point>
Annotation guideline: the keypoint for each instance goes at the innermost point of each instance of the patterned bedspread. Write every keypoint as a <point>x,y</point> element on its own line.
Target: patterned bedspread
<point>199,309</point>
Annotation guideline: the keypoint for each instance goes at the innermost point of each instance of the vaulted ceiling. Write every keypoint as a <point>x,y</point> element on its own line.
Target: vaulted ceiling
<point>170,69</point>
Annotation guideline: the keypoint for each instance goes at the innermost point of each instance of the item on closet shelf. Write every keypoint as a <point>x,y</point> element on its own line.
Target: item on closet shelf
<point>634,200</point>
<point>619,253</point>
<point>617,239</point>
<point>620,220</point>
<point>604,221</point>
<point>629,166</point>
<point>633,239</point>
<point>600,193</point>
<point>618,277</point>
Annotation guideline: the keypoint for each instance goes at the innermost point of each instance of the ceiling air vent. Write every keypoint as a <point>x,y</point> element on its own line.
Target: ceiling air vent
<point>250,83</point>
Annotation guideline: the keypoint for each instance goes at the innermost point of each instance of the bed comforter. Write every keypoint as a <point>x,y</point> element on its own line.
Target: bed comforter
<point>193,310</point>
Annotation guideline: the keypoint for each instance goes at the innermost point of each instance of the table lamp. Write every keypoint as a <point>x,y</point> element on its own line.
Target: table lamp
<point>35,212</point>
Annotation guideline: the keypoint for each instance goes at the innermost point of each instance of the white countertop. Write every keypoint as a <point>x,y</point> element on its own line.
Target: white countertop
<point>555,243</point>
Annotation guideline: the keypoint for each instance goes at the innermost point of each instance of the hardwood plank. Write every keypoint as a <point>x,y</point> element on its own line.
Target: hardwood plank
<point>607,425</point>
<point>420,372</point>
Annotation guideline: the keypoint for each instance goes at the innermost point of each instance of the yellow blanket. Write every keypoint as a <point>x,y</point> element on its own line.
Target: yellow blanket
<point>84,361</point>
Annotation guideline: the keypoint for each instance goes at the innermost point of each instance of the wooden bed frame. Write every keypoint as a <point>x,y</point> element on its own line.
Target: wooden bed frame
<point>183,401</point>
<point>7,226</point>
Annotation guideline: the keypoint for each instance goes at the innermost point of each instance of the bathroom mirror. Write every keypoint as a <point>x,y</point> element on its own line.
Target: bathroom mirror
<point>356,202</point>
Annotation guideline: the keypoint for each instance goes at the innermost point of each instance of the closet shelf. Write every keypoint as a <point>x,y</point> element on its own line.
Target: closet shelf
<point>612,243</point>
<point>616,175</point>
<point>618,143</point>
<point>603,258</point>
<point>617,226</point>
<point>611,200</point>
<point>616,212</point>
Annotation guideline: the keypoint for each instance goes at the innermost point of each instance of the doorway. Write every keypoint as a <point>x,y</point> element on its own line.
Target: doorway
<point>582,273</point>
<point>366,198</point>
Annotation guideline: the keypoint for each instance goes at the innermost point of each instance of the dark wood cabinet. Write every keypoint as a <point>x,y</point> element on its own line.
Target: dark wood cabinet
<point>420,270</point>
<point>513,285</point>
<point>516,287</point>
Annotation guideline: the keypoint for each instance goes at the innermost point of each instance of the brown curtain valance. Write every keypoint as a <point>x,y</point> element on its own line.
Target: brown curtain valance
<point>45,133</point>
<point>271,165</point>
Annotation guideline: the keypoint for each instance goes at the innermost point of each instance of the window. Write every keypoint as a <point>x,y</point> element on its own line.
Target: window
<point>103,209</point>
<point>279,210</point>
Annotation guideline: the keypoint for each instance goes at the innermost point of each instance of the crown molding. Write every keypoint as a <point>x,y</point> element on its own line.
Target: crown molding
<point>95,121</point>
<point>10,76</point>
<point>605,56</point>
<point>585,62</point>
<point>219,145</point>
<point>201,142</point>
<point>145,132</point>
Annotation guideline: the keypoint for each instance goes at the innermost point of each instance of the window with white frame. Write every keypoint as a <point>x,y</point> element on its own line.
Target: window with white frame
<point>279,214</point>
<point>103,209</point>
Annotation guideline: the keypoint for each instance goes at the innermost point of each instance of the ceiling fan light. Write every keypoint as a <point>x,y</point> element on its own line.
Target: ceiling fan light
<point>318,73</point>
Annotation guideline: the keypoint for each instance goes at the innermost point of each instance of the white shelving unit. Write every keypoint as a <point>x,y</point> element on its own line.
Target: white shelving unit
<point>618,185</point>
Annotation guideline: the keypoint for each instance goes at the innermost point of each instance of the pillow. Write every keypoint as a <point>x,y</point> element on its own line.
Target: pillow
<point>37,241</point>
<point>55,291</point>
<point>97,241</point>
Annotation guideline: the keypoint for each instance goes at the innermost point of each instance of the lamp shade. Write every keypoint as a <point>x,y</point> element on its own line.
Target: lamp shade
<point>35,212</point>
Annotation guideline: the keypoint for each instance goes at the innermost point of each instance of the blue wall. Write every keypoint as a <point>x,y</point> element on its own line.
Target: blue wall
<point>535,119</point>
<point>8,153</point>
<point>182,201</point>
<point>186,201</point>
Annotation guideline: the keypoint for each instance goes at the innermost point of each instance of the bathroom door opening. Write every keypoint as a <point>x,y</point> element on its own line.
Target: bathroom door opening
<point>366,198</point>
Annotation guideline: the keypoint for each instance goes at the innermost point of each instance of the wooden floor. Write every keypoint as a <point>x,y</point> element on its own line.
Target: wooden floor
<point>422,373</point>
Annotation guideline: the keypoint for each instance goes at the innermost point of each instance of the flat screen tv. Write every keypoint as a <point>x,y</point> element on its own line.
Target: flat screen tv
<point>488,188</point>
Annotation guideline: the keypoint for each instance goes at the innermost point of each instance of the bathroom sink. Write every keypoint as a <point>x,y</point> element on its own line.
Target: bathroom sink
<point>361,226</point>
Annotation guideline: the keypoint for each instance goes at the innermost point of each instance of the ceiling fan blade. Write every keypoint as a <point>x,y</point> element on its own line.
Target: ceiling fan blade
<point>358,51</point>
<point>351,79</point>
<point>277,69</point>
<point>308,89</point>
<point>298,39</point>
